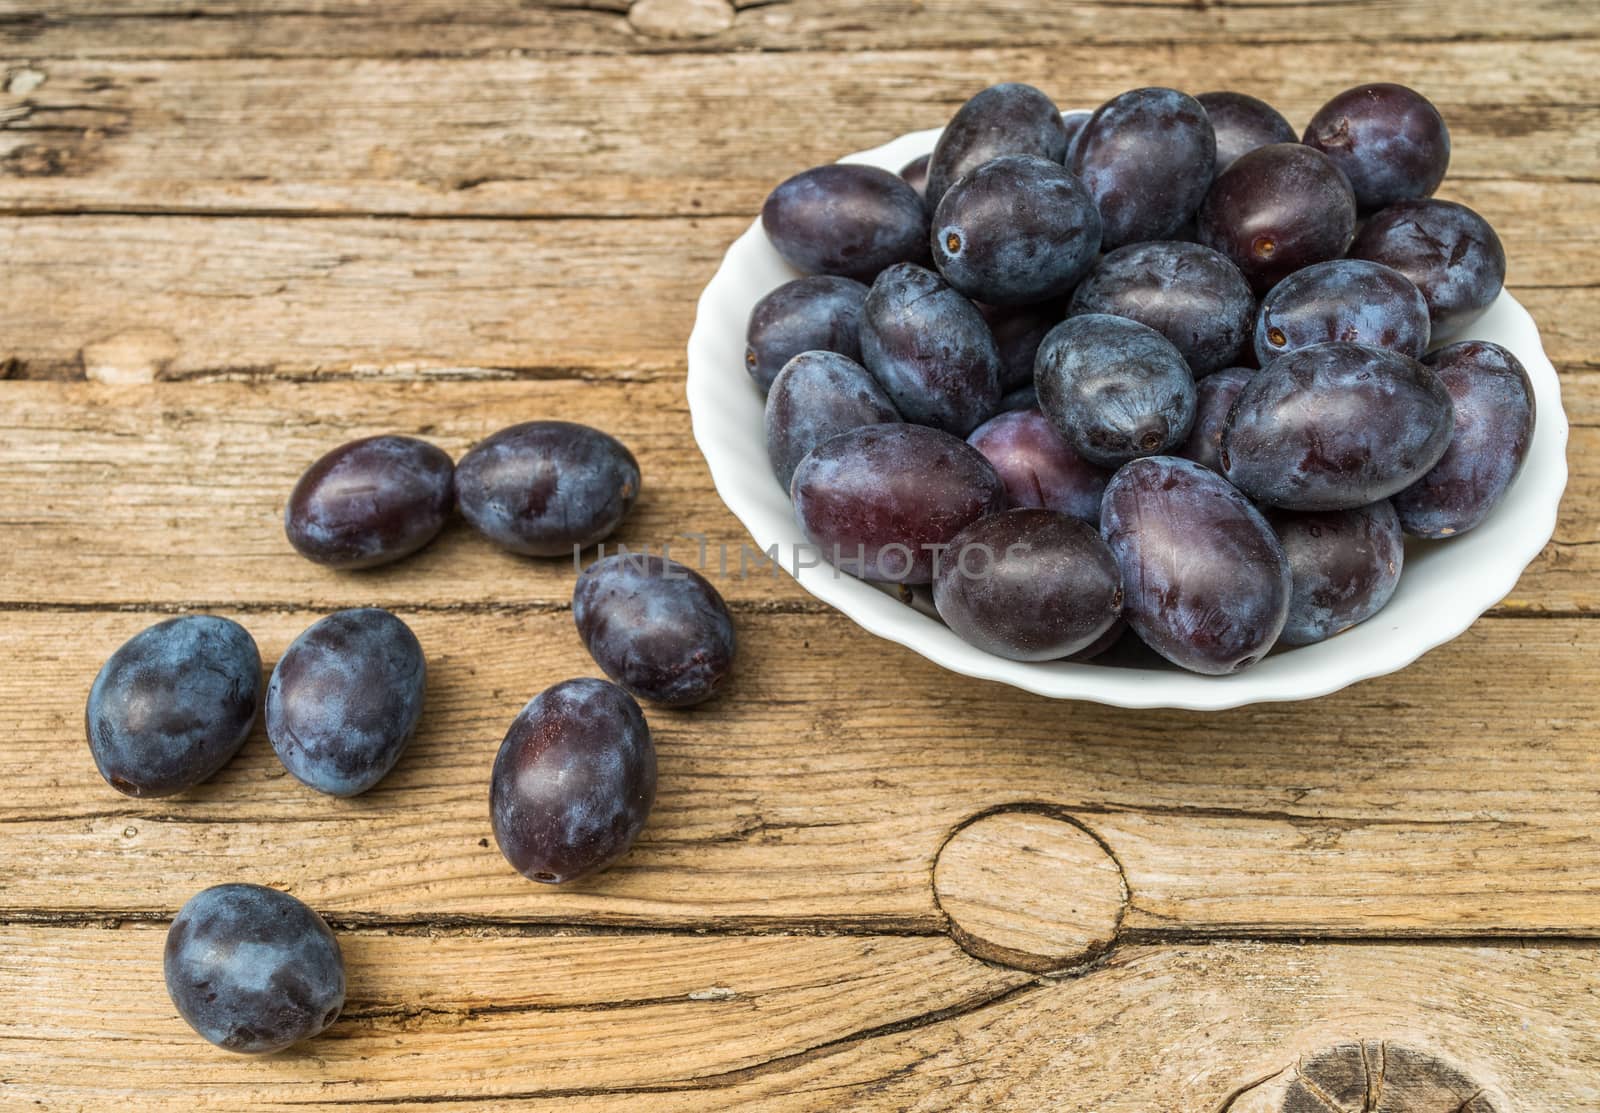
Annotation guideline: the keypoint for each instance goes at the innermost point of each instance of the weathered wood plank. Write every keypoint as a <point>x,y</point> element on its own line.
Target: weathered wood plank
<point>128,496</point>
<point>1452,798</point>
<point>351,27</point>
<point>792,1024</point>
<point>563,136</point>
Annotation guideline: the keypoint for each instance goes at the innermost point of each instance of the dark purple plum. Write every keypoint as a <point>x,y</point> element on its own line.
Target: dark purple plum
<point>1029,585</point>
<point>656,627</point>
<point>1389,140</point>
<point>1494,419</point>
<point>846,219</point>
<point>1073,123</point>
<point>1277,209</point>
<point>1023,398</point>
<point>173,704</point>
<point>818,313</point>
<point>370,502</point>
<point>1010,119</point>
<point>1214,397</point>
<point>1334,427</point>
<point>1105,641</point>
<point>1188,293</point>
<point>1342,299</point>
<point>879,501</point>
<point>573,782</point>
<point>1114,389</point>
<point>344,700</point>
<point>931,350</point>
<point>1206,582</point>
<point>544,488</point>
<point>1018,230</point>
<point>915,173</point>
<point>1243,123</point>
<point>1448,251</point>
<point>1146,158</point>
<point>253,969</point>
<point>1345,564</point>
<point>1038,468</point>
<point>1018,331</point>
<point>817,396</point>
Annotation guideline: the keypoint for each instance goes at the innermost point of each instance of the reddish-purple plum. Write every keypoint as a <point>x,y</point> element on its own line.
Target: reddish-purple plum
<point>1243,123</point>
<point>1214,397</point>
<point>817,396</point>
<point>1029,585</point>
<point>1389,140</point>
<point>173,704</point>
<point>544,488</point>
<point>881,500</point>
<point>1114,389</point>
<point>818,313</point>
<point>1038,468</point>
<point>1009,119</point>
<point>656,627</point>
<point>931,350</point>
<point>1206,583</point>
<point>1342,299</point>
<point>1188,293</point>
<point>1277,209</point>
<point>370,502</point>
<point>1334,427</point>
<point>574,781</point>
<point>1015,231</point>
<point>915,173</point>
<point>1345,564</point>
<point>846,219</point>
<point>1448,251</point>
<point>1146,158</point>
<point>1494,419</point>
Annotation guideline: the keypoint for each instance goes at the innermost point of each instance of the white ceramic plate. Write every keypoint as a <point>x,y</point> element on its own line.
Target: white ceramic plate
<point>1444,588</point>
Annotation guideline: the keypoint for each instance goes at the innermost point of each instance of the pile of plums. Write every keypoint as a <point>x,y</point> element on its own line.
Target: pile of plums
<point>253,969</point>
<point>1160,366</point>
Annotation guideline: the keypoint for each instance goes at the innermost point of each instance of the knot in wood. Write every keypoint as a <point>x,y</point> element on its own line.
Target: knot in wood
<point>680,19</point>
<point>1033,891</point>
<point>1372,1076</point>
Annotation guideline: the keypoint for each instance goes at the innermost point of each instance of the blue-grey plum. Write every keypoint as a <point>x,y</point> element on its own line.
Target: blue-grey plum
<point>1190,294</point>
<point>173,704</point>
<point>345,698</point>
<point>1389,140</point>
<point>1206,582</point>
<point>253,969</point>
<point>1335,426</point>
<point>370,502</point>
<point>915,173</point>
<point>880,501</point>
<point>817,396</point>
<point>574,781</point>
<point>1114,389</point>
<point>1448,251</point>
<point>930,350</point>
<point>1243,123</point>
<point>846,219</point>
<point>656,627</point>
<point>818,313</point>
<point>1146,158</point>
<point>1025,397</point>
<point>1018,331</point>
<point>1494,419</point>
<point>1029,585</point>
<point>1342,299</point>
<point>1015,231</point>
<point>543,488</point>
<point>1073,123</point>
<point>1038,467</point>
<point>1277,209</point>
<point>1214,396</point>
<point>1010,119</point>
<point>1345,563</point>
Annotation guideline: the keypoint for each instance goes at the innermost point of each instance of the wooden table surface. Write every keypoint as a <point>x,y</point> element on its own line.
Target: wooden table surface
<point>237,233</point>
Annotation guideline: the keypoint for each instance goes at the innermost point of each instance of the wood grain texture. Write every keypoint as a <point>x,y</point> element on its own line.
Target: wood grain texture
<point>807,797</point>
<point>118,28</point>
<point>678,1023</point>
<point>173,496</point>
